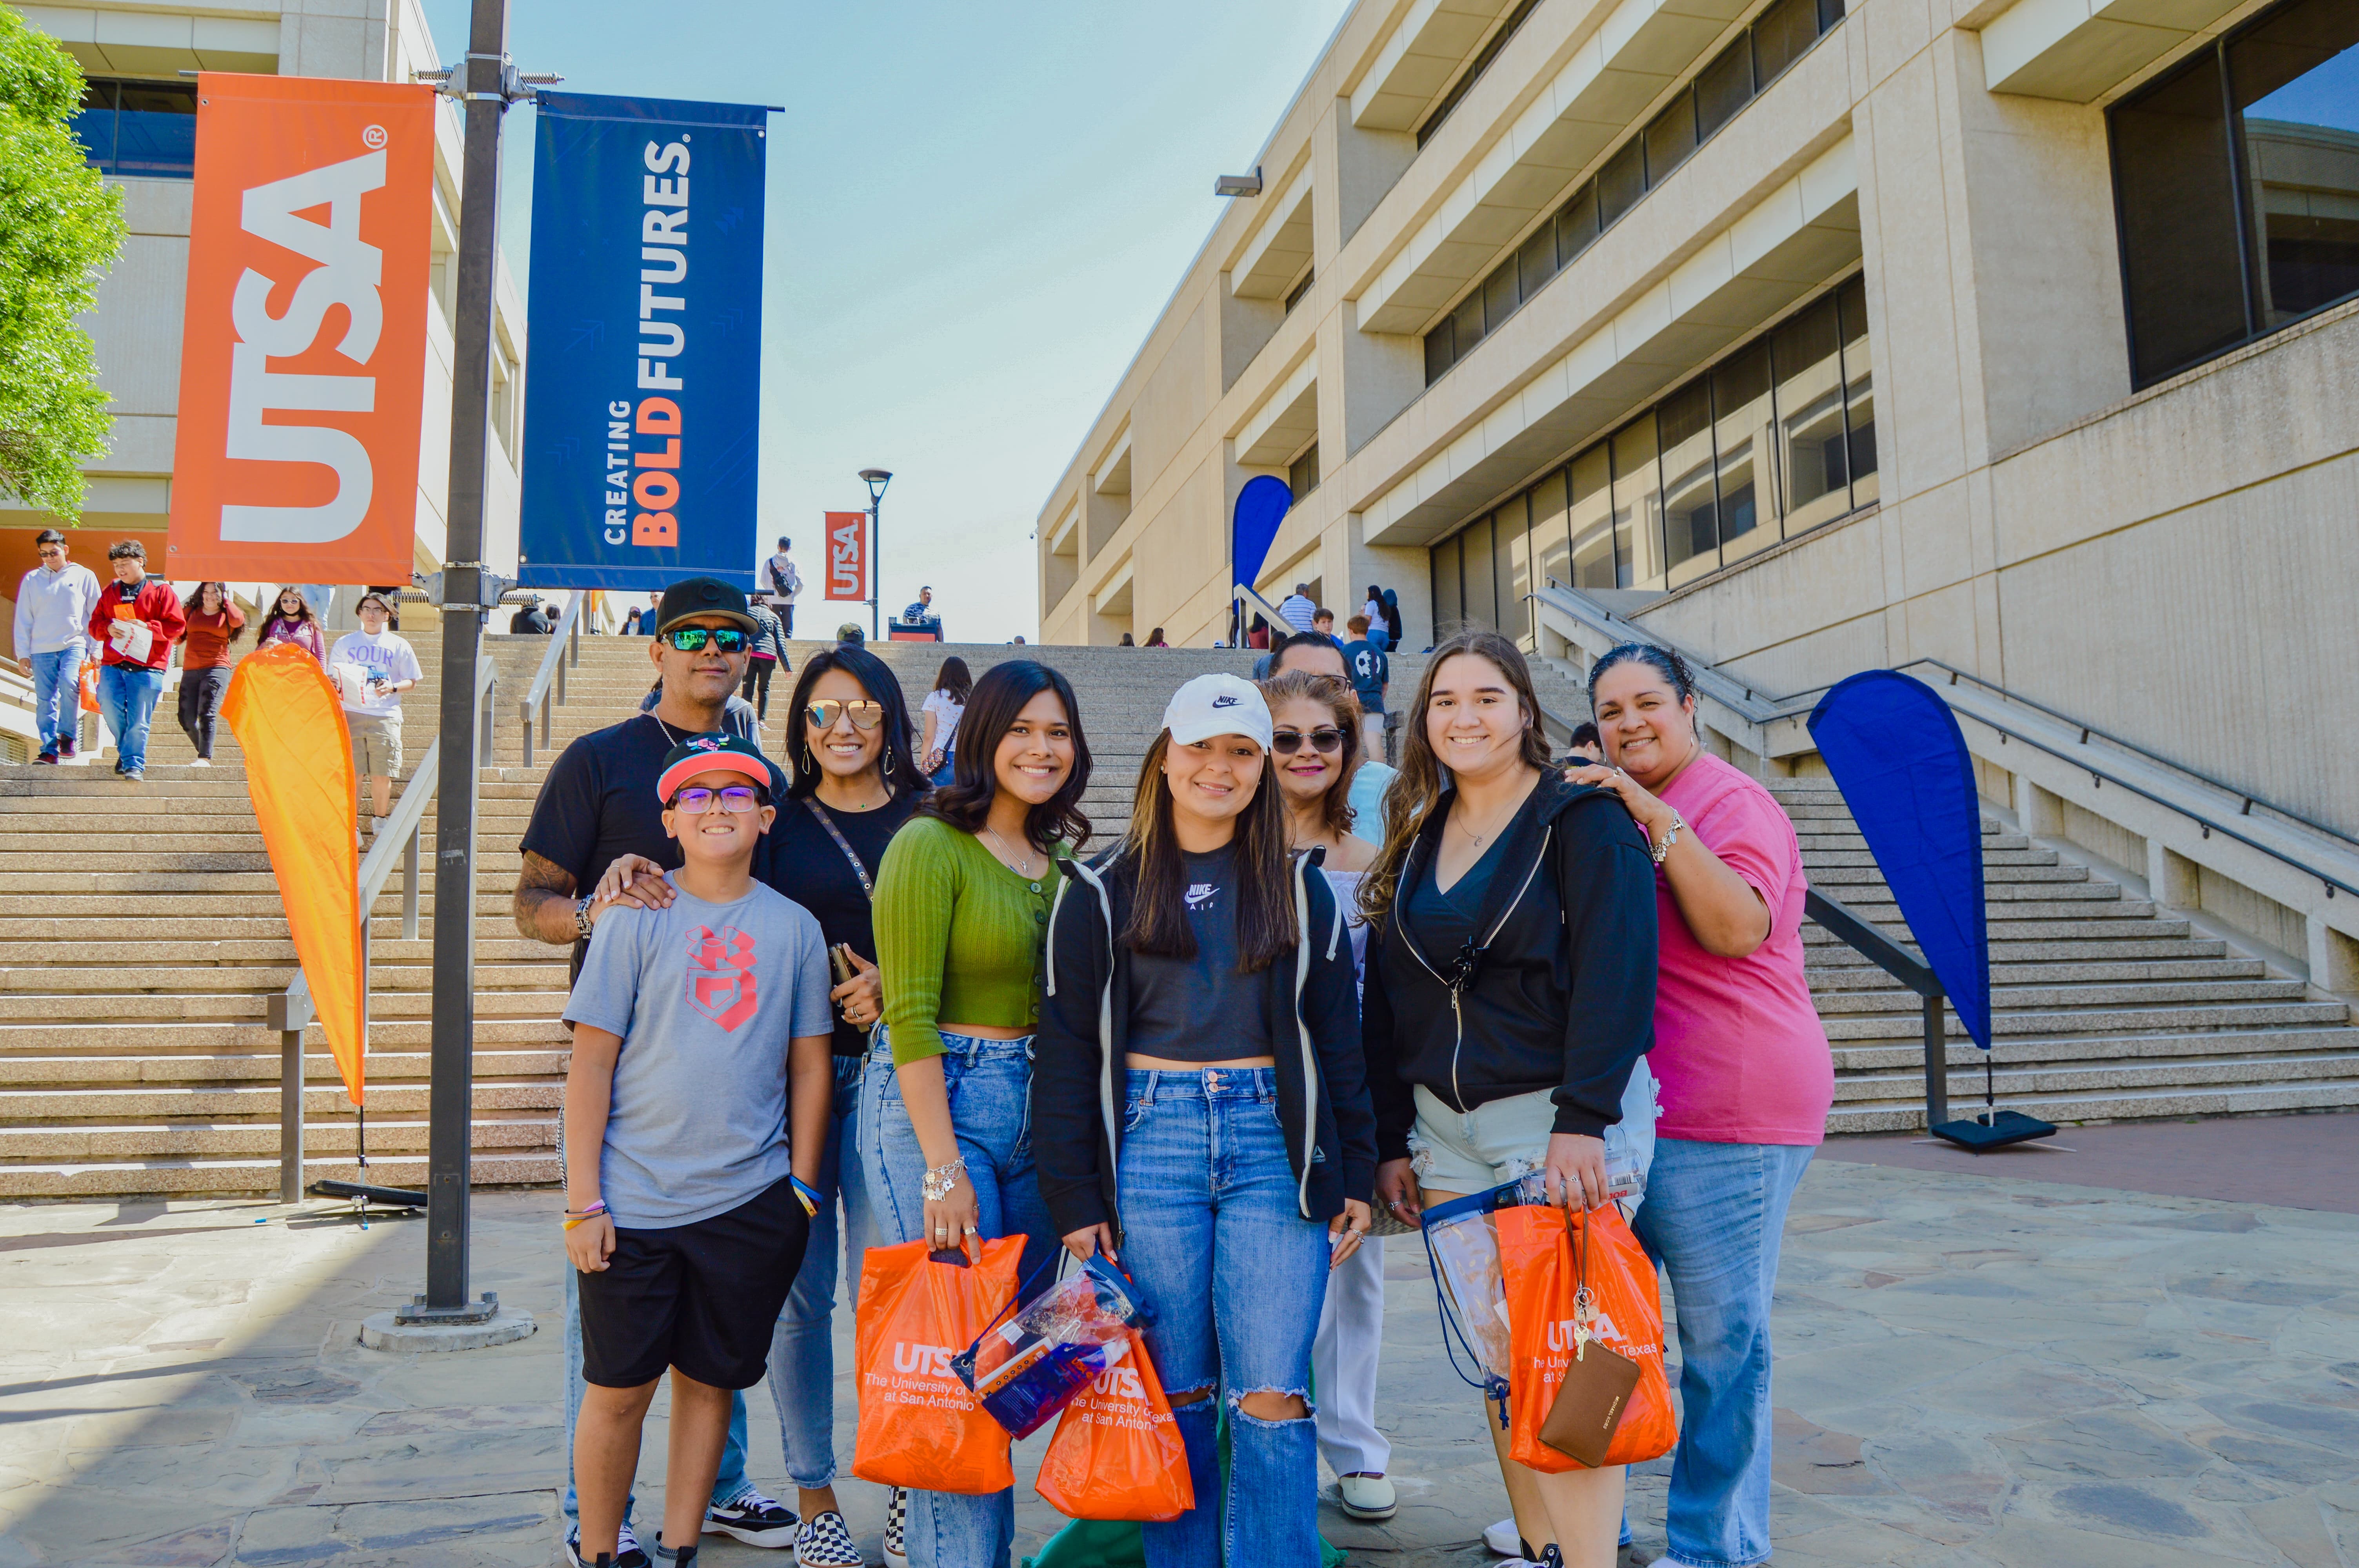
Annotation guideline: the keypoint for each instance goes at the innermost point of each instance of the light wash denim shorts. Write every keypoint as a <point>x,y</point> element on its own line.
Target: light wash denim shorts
<point>1506,1140</point>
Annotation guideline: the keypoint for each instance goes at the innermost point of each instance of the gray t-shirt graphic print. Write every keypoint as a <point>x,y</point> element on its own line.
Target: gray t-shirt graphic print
<point>707,998</point>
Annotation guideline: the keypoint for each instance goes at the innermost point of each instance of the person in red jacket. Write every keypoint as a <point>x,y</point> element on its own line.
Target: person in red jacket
<point>137,621</point>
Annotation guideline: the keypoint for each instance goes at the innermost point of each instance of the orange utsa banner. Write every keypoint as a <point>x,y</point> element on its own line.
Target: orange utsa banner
<point>303,351</point>
<point>847,555</point>
<point>289,724</point>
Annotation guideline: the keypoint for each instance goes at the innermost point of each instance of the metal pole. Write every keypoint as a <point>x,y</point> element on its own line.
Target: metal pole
<point>450,1136</point>
<point>1937,1065</point>
<point>876,570</point>
<point>290,1115</point>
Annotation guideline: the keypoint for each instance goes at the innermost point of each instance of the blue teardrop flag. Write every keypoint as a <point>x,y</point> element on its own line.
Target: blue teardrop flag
<point>1261,506</point>
<point>1901,762</point>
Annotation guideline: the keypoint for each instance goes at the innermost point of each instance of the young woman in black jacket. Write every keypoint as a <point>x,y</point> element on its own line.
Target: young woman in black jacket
<point>1510,992</point>
<point>1198,1111</point>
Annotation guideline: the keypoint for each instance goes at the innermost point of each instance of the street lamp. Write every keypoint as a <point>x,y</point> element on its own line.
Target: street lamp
<point>877,480</point>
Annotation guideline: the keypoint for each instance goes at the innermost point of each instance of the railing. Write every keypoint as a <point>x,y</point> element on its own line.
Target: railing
<point>290,1012</point>
<point>547,688</point>
<point>1894,960</point>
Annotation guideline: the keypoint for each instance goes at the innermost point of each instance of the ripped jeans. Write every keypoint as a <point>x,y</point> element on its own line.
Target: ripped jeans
<point>1214,1234</point>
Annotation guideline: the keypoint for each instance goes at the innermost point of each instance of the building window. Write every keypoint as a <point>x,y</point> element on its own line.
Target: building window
<point>1302,473</point>
<point>1737,75</point>
<point>1294,296</point>
<point>1774,440</point>
<point>2236,186</point>
<point>1473,72</point>
<point>138,130</point>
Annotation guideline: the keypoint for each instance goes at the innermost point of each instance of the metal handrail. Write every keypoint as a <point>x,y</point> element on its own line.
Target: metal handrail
<point>1763,710</point>
<point>1894,960</point>
<point>551,677</point>
<point>289,1013</point>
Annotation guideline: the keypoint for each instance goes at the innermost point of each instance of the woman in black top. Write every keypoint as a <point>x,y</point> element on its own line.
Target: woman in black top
<point>1509,992</point>
<point>1198,1104</point>
<point>854,783</point>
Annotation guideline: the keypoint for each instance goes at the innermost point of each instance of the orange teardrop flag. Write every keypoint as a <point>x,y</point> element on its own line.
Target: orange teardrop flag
<point>289,722</point>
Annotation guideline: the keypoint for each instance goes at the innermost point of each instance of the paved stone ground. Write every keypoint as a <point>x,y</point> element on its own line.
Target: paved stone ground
<point>1975,1370</point>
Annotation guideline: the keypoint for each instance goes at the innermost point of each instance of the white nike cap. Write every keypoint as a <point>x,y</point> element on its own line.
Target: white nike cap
<point>1217,705</point>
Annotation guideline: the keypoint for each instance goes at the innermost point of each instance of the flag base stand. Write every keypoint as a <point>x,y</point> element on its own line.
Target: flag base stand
<point>360,1193</point>
<point>1993,1129</point>
<point>417,1314</point>
<point>477,1325</point>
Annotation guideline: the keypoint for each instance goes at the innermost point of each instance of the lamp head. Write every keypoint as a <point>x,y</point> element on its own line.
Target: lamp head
<point>877,480</point>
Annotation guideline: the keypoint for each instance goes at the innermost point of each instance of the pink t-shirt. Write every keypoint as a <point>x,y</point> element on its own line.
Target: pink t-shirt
<point>1739,1050</point>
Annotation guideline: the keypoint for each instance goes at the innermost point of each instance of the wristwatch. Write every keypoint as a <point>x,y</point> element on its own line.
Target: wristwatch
<point>1670,836</point>
<point>582,913</point>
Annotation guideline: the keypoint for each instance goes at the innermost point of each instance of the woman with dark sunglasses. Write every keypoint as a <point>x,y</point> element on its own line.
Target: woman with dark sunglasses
<point>853,784</point>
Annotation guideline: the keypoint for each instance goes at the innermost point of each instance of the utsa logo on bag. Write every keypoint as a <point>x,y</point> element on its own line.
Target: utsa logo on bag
<point>721,975</point>
<point>927,1360</point>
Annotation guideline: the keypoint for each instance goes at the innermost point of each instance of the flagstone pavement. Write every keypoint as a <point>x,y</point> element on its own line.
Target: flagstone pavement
<point>1973,1369</point>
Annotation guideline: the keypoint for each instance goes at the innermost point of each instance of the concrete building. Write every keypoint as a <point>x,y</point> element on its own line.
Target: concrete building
<point>138,126</point>
<point>1812,335</point>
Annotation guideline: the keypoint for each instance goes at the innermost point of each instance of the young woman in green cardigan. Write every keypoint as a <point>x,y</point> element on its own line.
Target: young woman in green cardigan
<point>962,915</point>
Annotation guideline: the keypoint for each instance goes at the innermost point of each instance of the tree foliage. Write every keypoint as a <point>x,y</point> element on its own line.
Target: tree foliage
<point>60,227</point>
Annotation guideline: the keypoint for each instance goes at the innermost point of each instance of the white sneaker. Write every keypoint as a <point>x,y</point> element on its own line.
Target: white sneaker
<point>1504,1540</point>
<point>1370,1498</point>
<point>202,762</point>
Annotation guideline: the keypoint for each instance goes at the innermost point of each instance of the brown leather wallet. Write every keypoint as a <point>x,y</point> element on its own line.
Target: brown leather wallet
<point>1596,1387</point>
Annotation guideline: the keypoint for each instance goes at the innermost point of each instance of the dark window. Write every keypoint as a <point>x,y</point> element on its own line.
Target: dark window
<point>1536,262</point>
<point>1859,390</point>
<point>1294,296</point>
<point>1474,72</point>
<point>1691,506</point>
<point>1499,300</point>
<point>1621,182</point>
<point>139,130</point>
<point>1467,319</point>
<point>1302,473</point>
<point>1440,351</point>
<point>1593,555</point>
<point>1449,593</point>
<point>1742,434</point>
<point>1481,600</point>
<point>2236,182</point>
<point>1780,36</point>
<point>1725,86</point>
<point>1670,138</point>
<point>1513,566</point>
<point>1576,223</point>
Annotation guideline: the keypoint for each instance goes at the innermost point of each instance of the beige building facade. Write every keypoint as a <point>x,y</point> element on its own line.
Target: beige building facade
<point>1812,335</point>
<point>137,126</point>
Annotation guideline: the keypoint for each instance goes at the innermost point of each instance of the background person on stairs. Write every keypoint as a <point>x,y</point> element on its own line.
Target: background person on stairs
<point>137,618</point>
<point>598,804</point>
<point>944,704</point>
<point>786,582</point>
<point>1369,781</point>
<point>215,622</point>
<point>53,611</point>
<point>292,620</point>
<point>1746,1074</point>
<point>373,707</point>
<point>766,658</point>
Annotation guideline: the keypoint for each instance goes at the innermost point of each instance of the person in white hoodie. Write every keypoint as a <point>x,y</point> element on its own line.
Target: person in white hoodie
<point>53,610</point>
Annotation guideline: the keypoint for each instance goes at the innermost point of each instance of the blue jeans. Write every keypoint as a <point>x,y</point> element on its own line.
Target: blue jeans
<point>1214,1233</point>
<point>941,776</point>
<point>57,694</point>
<point>802,1350</point>
<point>126,697</point>
<point>1714,1215</point>
<point>990,1084</point>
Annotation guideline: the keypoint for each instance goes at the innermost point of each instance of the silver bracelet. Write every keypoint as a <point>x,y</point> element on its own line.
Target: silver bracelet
<point>942,1180</point>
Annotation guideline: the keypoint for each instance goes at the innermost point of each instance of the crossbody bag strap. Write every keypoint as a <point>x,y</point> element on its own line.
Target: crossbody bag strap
<point>858,868</point>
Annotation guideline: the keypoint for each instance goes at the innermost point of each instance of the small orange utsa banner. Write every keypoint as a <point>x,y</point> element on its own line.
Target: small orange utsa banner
<point>303,353</point>
<point>847,555</point>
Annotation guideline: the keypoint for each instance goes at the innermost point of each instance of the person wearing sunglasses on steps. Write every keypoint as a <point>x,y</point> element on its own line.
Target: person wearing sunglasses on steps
<point>854,784</point>
<point>598,803</point>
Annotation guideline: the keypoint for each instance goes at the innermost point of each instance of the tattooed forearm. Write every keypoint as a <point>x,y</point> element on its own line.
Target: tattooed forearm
<point>544,900</point>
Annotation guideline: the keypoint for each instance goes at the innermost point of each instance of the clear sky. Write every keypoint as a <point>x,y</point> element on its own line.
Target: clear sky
<point>976,211</point>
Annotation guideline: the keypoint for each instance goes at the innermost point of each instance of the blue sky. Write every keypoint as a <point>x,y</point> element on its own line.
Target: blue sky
<point>976,211</point>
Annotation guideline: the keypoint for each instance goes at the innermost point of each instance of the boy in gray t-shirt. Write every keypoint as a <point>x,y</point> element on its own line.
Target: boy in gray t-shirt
<point>701,1030</point>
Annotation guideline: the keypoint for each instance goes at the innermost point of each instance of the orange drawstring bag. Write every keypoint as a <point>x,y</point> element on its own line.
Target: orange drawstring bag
<point>920,1426</point>
<point>1623,1311</point>
<point>89,686</point>
<point>1117,1453</point>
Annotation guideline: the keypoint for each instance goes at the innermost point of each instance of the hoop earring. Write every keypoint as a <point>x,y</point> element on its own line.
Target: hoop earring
<point>888,762</point>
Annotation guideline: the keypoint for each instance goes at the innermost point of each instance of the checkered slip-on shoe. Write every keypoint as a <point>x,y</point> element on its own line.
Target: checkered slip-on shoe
<point>825,1542</point>
<point>897,1531</point>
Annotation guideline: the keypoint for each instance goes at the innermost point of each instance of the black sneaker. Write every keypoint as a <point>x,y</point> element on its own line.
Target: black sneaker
<point>628,1552</point>
<point>752,1518</point>
<point>50,756</point>
<point>65,746</point>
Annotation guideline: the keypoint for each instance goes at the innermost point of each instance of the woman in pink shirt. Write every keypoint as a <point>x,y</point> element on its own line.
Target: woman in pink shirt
<point>1746,1080</point>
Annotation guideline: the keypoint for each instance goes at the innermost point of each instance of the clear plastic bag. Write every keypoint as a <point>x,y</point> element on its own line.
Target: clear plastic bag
<point>1027,1369</point>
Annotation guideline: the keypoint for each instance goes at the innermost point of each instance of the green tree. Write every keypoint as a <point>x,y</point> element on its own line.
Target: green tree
<point>60,227</point>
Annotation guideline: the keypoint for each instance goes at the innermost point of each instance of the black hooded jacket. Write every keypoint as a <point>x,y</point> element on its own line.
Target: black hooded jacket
<point>1078,1056</point>
<point>1556,992</point>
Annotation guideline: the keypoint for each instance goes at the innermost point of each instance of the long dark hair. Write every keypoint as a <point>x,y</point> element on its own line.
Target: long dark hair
<point>1410,798</point>
<point>196,607</point>
<point>952,678</point>
<point>1159,911</point>
<point>899,765</point>
<point>992,710</point>
<point>303,611</point>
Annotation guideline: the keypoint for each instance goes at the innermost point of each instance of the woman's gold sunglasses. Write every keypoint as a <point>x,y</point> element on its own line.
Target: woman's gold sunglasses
<point>867,712</point>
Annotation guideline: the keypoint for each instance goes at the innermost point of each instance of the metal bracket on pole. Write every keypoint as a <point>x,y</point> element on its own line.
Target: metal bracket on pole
<point>471,583</point>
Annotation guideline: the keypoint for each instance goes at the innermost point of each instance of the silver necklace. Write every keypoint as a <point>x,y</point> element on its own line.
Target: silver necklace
<point>1479,838</point>
<point>1008,858</point>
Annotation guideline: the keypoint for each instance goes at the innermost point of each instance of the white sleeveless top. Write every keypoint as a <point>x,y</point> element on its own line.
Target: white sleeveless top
<point>1346,885</point>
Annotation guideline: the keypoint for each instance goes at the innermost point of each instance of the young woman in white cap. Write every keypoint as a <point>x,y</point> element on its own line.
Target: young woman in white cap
<point>1199,1113</point>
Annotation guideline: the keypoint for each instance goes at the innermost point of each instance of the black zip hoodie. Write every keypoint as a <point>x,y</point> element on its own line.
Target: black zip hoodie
<point>1557,989</point>
<point>1078,1055</point>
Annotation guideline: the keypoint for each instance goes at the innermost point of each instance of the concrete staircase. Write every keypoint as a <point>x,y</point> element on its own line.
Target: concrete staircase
<point>141,932</point>
<point>2104,1005</point>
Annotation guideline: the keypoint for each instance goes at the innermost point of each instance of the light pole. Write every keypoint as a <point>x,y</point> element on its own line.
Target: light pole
<point>877,480</point>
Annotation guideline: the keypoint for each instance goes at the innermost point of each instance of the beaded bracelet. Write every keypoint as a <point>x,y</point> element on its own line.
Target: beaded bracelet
<point>596,1209</point>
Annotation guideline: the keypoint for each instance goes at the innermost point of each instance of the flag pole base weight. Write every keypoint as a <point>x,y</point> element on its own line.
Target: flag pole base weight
<point>391,1198</point>
<point>417,1314</point>
<point>1995,1129</point>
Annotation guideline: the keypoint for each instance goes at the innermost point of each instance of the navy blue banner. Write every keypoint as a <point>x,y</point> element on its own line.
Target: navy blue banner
<point>643,404</point>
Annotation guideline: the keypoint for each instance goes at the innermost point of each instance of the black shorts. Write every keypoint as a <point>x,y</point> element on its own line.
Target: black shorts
<point>702,1297</point>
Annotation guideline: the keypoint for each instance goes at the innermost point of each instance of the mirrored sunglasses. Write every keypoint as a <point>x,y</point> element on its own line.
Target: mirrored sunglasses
<point>867,712</point>
<point>1326,740</point>
<point>693,639</point>
<point>735,799</point>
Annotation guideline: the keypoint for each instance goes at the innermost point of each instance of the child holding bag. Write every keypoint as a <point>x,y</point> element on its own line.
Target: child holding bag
<point>698,1029</point>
